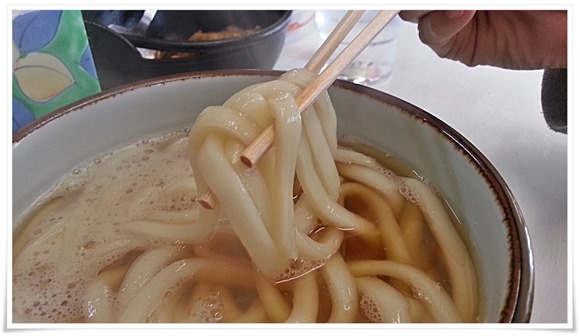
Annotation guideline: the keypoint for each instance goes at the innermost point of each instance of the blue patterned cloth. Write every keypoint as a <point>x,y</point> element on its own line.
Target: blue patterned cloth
<point>52,64</point>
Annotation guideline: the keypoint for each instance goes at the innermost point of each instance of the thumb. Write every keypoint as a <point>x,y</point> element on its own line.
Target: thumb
<point>438,28</point>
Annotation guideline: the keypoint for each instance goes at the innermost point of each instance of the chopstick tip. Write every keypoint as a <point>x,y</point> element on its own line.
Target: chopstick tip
<point>208,200</point>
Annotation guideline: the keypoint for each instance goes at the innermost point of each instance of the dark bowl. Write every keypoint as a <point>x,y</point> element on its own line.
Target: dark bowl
<point>118,60</point>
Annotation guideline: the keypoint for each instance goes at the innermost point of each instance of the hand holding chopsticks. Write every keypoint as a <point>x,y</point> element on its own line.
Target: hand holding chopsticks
<point>264,141</point>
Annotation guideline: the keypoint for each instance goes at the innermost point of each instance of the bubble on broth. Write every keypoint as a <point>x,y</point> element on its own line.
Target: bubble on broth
<point>46,292</point>
<point>207,309</point>
<point>370,309</point>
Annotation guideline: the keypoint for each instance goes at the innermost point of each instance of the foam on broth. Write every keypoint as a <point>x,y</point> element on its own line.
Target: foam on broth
<point>89,207</point>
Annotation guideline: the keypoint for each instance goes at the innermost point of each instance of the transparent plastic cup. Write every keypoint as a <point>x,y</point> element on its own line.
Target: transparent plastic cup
<point>375,63</point>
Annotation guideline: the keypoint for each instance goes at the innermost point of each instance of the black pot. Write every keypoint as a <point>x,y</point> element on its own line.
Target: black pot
<point>118,61</point>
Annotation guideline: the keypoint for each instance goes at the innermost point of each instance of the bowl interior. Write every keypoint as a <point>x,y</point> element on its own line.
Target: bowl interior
<point>468,182</point>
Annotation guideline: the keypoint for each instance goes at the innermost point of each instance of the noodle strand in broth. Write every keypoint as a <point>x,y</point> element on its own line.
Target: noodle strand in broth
<point>314,232</point>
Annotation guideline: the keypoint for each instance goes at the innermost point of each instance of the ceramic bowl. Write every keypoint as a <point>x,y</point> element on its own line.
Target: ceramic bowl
<point>468,181</point>
<point>119,61</point>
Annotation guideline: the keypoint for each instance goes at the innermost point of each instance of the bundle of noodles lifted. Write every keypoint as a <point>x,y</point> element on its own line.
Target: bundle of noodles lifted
<point>314,232</point>
<point>333,235</point>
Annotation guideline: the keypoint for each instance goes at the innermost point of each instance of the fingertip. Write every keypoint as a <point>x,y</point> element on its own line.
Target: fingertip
<point>413,15</point>
<point>456,14</point>
<point>440,26</point>
<point>453,14</point>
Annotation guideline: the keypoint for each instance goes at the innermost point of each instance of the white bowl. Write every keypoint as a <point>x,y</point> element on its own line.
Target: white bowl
<point>47,149</point>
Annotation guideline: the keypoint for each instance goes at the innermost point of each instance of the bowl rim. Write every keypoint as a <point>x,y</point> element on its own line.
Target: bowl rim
<point>518,305</point>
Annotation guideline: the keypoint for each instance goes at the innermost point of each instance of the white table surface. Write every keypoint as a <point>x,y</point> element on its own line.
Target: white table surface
<point>499,111</point>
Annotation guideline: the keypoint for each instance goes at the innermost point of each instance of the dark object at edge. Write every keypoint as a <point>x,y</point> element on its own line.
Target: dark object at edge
<point>118,62</point>
<point>554,99</point>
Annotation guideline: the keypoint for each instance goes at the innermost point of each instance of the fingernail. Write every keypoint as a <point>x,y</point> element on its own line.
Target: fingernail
<point>453,14</point>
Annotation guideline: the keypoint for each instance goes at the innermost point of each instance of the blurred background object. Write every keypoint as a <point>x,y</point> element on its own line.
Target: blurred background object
<point>52,64</point>
<point>302,23</point>
<point>308,30</point>
<point>135,45</point>
<point>375,63</point>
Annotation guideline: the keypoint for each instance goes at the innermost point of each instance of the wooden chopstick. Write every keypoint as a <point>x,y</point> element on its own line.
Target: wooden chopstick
<point>254,152</point>
<point>315,64</point>
<point>264,141</point>
<point>208,200</point>
<point>333,41</point>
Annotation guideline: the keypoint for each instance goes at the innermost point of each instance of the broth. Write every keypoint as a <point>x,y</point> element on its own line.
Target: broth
<point>76,255</point>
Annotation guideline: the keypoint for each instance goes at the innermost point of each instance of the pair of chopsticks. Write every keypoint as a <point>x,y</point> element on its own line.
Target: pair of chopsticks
<point>254,152</point>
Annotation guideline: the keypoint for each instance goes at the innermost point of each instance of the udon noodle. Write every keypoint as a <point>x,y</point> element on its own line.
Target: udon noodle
<point>315,232</point>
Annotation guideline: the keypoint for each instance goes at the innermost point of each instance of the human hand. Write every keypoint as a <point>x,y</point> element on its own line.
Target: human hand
<point>525,39</point>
